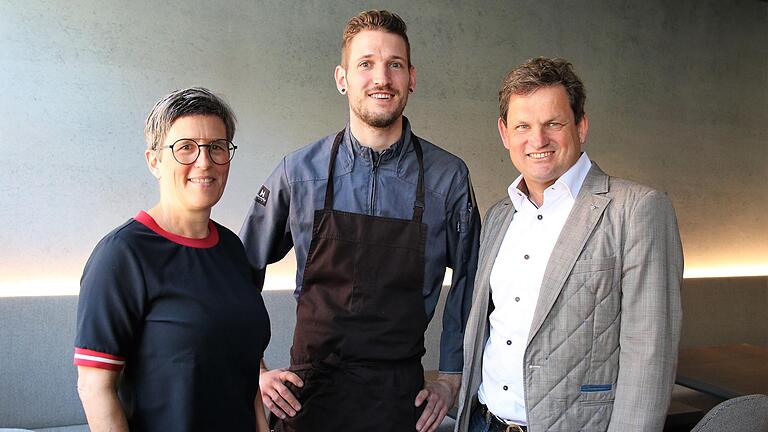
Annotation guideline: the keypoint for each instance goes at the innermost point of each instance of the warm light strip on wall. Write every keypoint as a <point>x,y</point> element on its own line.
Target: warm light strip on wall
<point>726,271</point>
<point>285,282</point>
<point>63,286</point>
<point>69,286</point>
<point>40,287</point>
<point>280,282</point>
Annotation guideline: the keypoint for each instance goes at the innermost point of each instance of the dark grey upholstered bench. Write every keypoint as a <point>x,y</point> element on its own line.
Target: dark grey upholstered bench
<point>38,381</point>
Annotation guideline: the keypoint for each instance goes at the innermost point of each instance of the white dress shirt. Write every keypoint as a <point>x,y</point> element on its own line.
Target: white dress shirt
<point>515,281</point>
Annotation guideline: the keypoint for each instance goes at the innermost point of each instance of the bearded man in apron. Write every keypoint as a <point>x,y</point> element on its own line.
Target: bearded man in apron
<point>375,215</point>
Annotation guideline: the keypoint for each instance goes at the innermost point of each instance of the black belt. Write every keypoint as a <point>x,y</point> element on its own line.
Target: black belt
<point>497,425</point>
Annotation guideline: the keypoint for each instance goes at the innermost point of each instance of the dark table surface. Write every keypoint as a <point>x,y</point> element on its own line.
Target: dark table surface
<point>725,371</point>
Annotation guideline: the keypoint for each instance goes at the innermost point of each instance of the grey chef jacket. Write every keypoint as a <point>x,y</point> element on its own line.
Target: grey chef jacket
<point>282,213</point>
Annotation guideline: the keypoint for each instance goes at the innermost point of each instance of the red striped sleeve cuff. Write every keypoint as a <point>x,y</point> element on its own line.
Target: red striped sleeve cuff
<point>85,357</point>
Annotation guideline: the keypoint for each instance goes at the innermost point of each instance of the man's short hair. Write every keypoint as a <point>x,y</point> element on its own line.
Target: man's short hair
<point>542,72</point>
<point>382,20</point>
<point>181,103</point>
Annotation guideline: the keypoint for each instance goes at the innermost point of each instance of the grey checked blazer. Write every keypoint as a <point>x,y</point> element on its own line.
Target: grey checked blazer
<point>602,349</point>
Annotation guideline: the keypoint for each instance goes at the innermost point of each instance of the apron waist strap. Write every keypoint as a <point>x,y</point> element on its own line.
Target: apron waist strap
<point>334,362</point>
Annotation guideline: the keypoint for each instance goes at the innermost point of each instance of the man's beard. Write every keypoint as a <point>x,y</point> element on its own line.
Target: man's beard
<point>378,120</point>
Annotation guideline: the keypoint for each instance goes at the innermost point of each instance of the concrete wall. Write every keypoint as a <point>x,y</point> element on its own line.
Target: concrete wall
<point>677,97</point>
<point>723,311</point>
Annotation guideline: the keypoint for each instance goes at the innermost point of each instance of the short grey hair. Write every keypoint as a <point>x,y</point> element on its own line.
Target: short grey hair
<point>184,102</point>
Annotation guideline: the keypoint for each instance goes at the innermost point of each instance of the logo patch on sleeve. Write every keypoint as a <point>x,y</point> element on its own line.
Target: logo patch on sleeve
<point>262,196</point>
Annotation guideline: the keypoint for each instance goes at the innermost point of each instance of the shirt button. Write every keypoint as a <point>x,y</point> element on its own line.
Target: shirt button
<point>505,388</point>
<point>539,217</point>
<point>509,342</point>
<point>526,256</point>
<point>517,299</point>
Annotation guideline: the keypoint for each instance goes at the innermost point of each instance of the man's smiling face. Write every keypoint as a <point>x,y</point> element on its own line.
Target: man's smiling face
<point>377,77</point>
<point>542,135</point>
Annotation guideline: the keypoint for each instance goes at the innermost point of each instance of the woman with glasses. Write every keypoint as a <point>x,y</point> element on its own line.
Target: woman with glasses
<point>167,306</point>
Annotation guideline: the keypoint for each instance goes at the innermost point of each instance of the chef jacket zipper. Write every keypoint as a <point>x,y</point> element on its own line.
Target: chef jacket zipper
<point>373,180</point>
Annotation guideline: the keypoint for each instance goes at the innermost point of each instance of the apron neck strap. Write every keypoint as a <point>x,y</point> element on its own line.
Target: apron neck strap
<point>418,205</point>
<point>331,165</point>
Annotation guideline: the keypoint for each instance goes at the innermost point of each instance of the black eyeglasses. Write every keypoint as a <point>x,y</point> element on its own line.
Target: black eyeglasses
<point>186,151</point>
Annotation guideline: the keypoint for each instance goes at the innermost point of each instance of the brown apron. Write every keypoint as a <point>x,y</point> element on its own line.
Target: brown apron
<point>360,323</point>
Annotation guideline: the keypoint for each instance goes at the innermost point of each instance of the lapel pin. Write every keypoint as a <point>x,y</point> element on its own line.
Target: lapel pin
<point>593,206</point>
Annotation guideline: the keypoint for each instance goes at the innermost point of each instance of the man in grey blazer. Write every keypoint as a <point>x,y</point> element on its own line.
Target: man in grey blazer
<point>575,318</point>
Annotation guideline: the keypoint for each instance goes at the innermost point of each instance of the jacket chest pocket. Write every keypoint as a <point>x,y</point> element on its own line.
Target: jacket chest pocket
<point>584,289</point>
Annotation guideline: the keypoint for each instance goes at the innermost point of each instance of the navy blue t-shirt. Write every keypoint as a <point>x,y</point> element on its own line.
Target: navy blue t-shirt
<point>183,321</point>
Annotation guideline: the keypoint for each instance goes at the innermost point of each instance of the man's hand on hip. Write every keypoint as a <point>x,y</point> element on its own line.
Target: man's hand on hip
<point>275,395</point>
<point>439,396</point>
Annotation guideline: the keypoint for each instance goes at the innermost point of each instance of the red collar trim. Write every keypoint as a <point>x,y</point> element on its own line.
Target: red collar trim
<point>212,240</point>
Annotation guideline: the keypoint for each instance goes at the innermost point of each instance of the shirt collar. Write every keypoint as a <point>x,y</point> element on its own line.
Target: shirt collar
<point>572,180</point>
<point>367,153</point>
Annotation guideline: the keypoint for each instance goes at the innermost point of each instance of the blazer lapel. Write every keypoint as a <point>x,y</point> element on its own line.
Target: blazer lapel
<point>587,210</point>
<point>498,229</point>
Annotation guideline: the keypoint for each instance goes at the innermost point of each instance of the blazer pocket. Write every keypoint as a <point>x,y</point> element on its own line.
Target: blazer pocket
<point>594,265</point>
<point>597,394</point>
<point>595,407</point>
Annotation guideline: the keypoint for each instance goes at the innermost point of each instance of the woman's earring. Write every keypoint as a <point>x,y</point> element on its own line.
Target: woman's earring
<point>343,90</point>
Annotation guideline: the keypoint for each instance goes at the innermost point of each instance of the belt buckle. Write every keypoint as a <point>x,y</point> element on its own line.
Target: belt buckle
<point>489,417</point>
<point>487,414</point>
